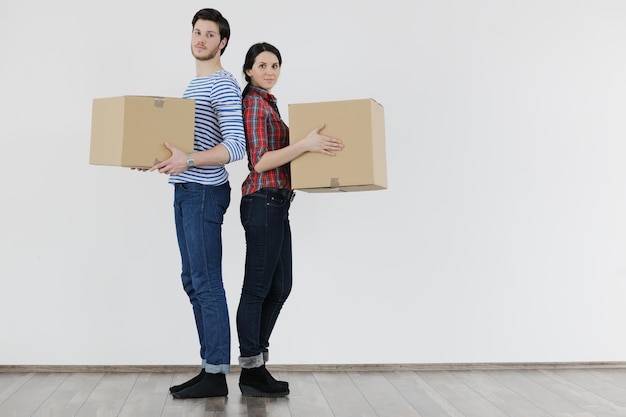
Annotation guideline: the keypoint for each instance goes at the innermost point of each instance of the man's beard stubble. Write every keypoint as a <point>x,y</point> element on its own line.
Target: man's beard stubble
<point>208,57</point>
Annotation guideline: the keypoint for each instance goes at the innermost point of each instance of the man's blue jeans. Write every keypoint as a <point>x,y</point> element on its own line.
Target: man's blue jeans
<point>268,272</point>
<point>199,213</point>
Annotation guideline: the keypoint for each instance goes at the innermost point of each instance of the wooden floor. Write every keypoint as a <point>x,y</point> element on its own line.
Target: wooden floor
<point>481,393</point>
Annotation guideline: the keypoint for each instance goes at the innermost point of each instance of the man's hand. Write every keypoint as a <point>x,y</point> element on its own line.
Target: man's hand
<point>175,164</point>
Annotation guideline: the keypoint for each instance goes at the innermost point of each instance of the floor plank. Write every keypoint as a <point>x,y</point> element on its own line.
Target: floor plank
<point>523,383</point>
<point>500,396</point>
<point>70,396</point>
<point>598,386</point>
<point>616,377</point>
<point>11,382</point>
<point>382,396</point>
<point>422,397</point>
<point>588,392</point>
<point>148,396</point>
<point>31,394</point>
<point>306,397</point>
<point>343,397</point>
<point>109,396</point>
<point>463,398</point>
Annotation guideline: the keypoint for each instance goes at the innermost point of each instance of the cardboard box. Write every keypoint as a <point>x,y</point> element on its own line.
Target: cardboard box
<point>360,166</point>
<point>130,131</point>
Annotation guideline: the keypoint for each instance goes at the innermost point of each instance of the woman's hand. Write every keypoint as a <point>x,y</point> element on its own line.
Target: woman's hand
<point>316,142</point>
<point>175,164</point>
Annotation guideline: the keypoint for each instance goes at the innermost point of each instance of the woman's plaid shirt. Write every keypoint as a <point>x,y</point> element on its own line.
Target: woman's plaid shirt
<point>265,131</point>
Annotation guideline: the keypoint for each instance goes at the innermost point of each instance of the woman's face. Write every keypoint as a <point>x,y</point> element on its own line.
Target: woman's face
<point>265,71</point>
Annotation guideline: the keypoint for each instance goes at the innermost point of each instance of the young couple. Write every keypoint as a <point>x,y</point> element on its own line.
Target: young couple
<point>227,127</point>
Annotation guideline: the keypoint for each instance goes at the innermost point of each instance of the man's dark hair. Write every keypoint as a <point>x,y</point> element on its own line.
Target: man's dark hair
<point>214,16</point>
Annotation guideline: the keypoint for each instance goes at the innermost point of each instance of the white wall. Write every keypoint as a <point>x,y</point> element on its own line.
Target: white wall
<point>501,237</point>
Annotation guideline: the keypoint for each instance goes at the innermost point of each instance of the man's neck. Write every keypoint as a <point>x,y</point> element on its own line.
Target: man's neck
<point>206,68</point>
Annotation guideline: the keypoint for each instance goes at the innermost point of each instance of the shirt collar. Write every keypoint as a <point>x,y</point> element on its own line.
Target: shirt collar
<point>263,93</point>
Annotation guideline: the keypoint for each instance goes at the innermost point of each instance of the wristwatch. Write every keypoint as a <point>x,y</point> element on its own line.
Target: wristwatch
<point>190,161</point>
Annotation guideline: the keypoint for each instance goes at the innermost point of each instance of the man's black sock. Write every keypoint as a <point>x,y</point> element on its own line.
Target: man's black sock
<point>211,385</point>
<point>192,381</point>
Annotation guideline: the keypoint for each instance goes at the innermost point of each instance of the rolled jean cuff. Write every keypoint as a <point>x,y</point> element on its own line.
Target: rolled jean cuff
<point>251,361</point>
<point>266,356</point>
<point>216,369</point>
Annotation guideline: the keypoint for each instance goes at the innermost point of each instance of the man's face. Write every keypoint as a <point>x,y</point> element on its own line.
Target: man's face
<point>205,40</point>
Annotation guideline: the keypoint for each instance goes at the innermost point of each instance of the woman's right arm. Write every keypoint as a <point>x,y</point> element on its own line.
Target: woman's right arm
<point>313,142</point>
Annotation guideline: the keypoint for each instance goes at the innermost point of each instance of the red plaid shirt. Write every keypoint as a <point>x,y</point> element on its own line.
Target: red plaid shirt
<point>265,131</point>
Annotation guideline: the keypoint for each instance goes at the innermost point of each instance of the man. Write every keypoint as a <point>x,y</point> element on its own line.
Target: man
<point>201,197</point>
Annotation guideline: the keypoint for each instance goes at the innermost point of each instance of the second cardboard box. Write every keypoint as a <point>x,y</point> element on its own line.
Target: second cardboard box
<point>360,166</point>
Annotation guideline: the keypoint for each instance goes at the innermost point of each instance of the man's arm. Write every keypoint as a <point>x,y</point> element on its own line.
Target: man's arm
<point>177,163</point>
<point>227,105</point>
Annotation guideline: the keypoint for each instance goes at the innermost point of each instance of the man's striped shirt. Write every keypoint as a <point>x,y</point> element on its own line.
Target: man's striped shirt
<point>218,120</point>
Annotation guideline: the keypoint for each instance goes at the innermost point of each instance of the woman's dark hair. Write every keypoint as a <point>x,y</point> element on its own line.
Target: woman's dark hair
<point>214,16</point>
<point>253,52</point>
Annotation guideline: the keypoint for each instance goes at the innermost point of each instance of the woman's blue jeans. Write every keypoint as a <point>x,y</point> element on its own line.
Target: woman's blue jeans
<point>199,213</point>
<point>268,273</point>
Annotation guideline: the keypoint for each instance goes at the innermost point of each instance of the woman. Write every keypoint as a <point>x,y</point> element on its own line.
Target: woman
<point>266,197</point>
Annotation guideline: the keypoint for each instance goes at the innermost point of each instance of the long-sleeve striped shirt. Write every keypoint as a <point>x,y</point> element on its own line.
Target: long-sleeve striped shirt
<point>265,131</point>
<point>218,120</point>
